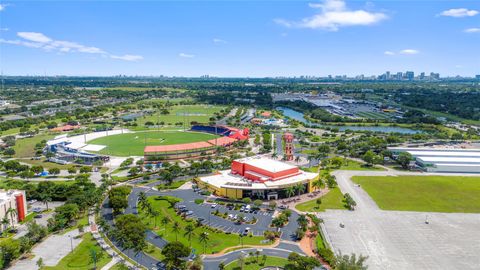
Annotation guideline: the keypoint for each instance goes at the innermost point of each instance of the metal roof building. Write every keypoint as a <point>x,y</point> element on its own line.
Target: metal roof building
<point>453,160</point>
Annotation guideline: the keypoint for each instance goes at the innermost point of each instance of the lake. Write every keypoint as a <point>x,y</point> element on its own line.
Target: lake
<point>296,115</point>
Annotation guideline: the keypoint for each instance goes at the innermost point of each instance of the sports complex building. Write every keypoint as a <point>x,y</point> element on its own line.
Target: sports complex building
<point>257,178</point>
<point>228,137</point>
<point>443,159</point>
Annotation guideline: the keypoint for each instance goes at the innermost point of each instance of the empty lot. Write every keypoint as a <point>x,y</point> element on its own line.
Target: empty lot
<point>401,239</point>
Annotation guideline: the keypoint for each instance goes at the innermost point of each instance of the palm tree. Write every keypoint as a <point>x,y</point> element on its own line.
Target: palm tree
<point>274,155</point>
<point>176,229</point>
<point>204,239</point>
<point>142,200</point>
<point>5,223</point>
<point>297,159</point>
<point>46,198</point>
<point>151,212</point>
<point>290,191</point>
<point>318,183</point>
<point>300,188</point>
<point>165,220</point>
<point>12,212</point>
<point>189,231</point>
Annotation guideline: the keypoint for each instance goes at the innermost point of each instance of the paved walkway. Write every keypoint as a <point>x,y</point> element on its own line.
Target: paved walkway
<point>51,250</point>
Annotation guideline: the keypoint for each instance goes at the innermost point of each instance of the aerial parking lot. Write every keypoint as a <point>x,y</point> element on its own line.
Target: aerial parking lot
<point>402,239</point>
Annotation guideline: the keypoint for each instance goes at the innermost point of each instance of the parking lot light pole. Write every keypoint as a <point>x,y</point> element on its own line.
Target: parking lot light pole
<point>209,215</point>
<point>71,243</point>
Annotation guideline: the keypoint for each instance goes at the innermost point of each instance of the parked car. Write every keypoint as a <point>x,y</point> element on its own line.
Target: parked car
<point>38,216</point>
<point>189,213</point>
<point>246,231</point>
<point>214,205</point>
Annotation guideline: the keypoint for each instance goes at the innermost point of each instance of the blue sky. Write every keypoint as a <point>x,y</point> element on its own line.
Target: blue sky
<point>239,38</point>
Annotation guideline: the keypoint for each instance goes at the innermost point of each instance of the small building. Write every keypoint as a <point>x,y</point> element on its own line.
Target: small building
<point>266,114</point>
<point>16,200</point>
<point>258,178</point>
<point>65,128</point>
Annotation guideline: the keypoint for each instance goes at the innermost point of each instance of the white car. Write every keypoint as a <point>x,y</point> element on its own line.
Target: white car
<point>246,231</point>
<point>214,205</point>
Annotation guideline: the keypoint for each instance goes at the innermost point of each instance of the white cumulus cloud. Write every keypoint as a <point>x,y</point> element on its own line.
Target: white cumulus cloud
<point>409,51</point>
<point>127,57</point>
<point>219,41</point>
<point>404,51</point>
<point>334,14</point>
<point>186,55</point>
<point>472,30</point>
<point>459,12</point>
<point>41,41</point>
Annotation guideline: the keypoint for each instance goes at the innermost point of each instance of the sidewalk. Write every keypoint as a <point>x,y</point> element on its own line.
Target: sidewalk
<point>116,258</point>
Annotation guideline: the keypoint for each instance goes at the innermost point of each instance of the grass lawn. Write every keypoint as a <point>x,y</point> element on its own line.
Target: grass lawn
<point>423,193</point>
<point>353,165</point>
<point>217,240</point>
<point>332,200</point>
<point>45,164</point>
<point>181,113</point>
<point>174,185</point>
<point>252,264</point>
<point>119,266</point>
<point>79,259</point>
<point>132,144</point>
<point>26,147</point>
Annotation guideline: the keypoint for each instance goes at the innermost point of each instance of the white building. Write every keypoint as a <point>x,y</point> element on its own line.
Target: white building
<point>444,159</point>
<point>16,200</point>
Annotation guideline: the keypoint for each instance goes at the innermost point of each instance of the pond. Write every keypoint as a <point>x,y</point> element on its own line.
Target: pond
<point>296,115</point>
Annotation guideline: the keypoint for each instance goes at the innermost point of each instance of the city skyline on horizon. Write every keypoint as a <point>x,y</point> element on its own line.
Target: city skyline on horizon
<point>239,39</point>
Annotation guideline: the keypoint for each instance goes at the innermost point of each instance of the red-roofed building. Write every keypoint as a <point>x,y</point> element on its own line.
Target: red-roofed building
<point>65,128</point>
<point>266,114</point>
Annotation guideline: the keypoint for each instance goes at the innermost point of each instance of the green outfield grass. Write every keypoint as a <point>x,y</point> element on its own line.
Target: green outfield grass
<point>132,144</point>
<point>181,113</point>
<point>332,200</point>
<point>423,193</point>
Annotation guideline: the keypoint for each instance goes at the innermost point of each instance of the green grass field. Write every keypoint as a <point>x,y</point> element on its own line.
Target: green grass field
<point>80,258</point>
<point>132,144</point>
<point>181,113</point>
<point>26,147</point>
<point>217,240</point>
<point>251,263</point>
<point>373,115</point>
<point>423,193</point>
<point>332,200</point>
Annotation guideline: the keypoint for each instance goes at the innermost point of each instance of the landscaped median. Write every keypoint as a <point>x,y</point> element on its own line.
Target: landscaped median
<point>255,262</point>
<point>172,227</point>
<point>423,193</point>
<point>332,200</point>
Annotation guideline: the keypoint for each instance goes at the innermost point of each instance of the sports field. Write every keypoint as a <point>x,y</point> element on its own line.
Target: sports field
<point>181,114</point>
<point>423,193</point>
<point>132,144</point>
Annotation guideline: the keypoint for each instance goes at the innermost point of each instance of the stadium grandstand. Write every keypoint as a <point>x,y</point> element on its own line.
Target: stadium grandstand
<point>229,135</point>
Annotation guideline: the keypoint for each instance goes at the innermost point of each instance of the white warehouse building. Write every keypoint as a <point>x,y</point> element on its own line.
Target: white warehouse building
<point>443,159</point>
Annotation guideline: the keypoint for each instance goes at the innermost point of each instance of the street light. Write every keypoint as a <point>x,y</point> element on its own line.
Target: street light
<point>71,243</point>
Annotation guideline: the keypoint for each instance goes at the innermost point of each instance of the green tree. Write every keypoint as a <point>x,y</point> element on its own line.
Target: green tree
<point>54,171</point>
<point>130,232</point>
<point>204,237</point>
<point>290,191</point>
<point>174,252</point>
<point>346,262</point>
<point>176,229</point>
<point>404,159</point>
<point>298,262</point>
<point>189,232</point>
<point>12,212</point>
<point>9,251</point>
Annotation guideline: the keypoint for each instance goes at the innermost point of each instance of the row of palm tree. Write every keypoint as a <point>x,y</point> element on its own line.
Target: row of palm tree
<point>189,230</point>
<point>298,189</point>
